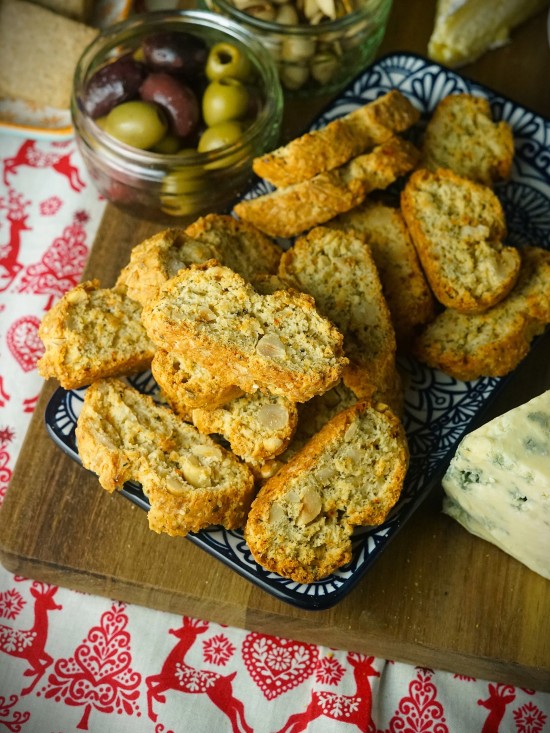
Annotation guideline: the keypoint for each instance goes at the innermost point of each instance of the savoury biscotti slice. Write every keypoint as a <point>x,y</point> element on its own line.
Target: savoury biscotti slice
<point>158,258</point>
<point>405,288</point>
<point>458,227</point>
<point>461,135</point>
<point>187,386</point>
<point>191,481</point>
<point>492,344</point>
<point>238,245</point>
<point>338,270</point>
<point>277,342</point>
<point>292,210</point>
<point>350,474</point>
<point>257,426</point>
<point>93,332</point>
<point>340,140</point>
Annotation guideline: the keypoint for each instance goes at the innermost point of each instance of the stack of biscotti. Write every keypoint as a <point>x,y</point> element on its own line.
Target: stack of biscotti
<point>328,171</point>
<point>39,51</point>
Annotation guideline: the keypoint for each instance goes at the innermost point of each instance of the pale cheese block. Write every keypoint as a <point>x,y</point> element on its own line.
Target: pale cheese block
<point>497,485</point>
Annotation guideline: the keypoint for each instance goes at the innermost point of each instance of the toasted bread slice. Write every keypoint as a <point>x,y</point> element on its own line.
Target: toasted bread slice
<point>493,343</point>
<point>458,228</point>
<point>191,482</point>
<point>338,270</point>
<point>278,342</point>
<point>289,211</point>
<point>461,135</point>
<point>404,285</point>
<point>339,141</point>
<point>91,333</point>
<point>350,474</point>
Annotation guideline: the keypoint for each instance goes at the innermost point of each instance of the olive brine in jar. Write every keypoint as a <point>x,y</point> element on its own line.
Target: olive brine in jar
<point>192,98</point>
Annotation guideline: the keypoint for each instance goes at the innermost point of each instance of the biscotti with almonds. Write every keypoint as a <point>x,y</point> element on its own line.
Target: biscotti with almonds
<point>462,136</point>
<point>458,227</point>
<point>340,140</point>
<point>492,344</point>
<point>350,474</point>
<point>277,342</point>
<point>158,258</point>
<point>338,270</point>
<point>191,481</point>
<point>187,386</point>
<point>404,285</point>
<point>93,332</point>
<point>257,426</point>
<point>39,50</point>
<point>237,244</point>
<point>292,210</point>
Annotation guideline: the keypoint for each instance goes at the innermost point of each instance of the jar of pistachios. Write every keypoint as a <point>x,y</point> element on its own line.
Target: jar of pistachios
<point>318,45</point>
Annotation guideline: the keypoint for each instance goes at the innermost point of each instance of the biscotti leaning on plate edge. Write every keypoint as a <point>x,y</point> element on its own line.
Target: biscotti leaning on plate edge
<point>496,485</point>
<point>39,51</point>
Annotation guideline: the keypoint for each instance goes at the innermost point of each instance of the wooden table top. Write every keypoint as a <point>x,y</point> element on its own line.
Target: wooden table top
<point>437,597</point>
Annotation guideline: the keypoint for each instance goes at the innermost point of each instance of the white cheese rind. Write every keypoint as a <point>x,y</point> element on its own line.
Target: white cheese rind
<point>497,485</point>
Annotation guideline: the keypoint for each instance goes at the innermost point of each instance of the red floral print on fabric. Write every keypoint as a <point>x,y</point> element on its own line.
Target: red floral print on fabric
<point>11,604</point>
<point>24,343</point>
<point>218,650</point>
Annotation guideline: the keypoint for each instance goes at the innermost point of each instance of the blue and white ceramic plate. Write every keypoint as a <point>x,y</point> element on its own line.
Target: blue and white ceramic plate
<point>439,409</point>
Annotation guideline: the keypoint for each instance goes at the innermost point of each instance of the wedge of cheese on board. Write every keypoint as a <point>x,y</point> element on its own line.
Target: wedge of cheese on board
<point>497,485</point>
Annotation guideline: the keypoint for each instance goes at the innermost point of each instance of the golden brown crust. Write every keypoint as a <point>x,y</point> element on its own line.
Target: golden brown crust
<point>339,141</point>
<point>457,227</point>
<point>462,136</point>
<point>289,211</point>
<point>492,344</point>
<point>349,474</point>
<point>406,291</point>
<point>190,481</point>
<point>212,315</point>
<point>93,333</point>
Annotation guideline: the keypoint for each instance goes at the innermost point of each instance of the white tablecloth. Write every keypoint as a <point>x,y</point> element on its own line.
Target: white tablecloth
<point>70,661</point>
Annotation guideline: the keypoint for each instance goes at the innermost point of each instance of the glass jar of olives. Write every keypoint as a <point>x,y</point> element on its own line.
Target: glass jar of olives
<point>169,109</point>
<point>317,45</point>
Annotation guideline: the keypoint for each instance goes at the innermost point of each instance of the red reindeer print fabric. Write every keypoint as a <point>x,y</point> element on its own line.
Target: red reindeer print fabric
<point>75,662</point>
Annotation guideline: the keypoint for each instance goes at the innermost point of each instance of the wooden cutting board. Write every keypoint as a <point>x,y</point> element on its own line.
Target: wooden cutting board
<point>438,597</point>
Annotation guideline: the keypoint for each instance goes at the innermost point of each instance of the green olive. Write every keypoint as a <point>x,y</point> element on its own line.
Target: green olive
<point>168,145</point>
<point>137,123</point>
<point>182,189</point>
<point>225,60</point>
<point>225,133</point>
<point>226,99</point>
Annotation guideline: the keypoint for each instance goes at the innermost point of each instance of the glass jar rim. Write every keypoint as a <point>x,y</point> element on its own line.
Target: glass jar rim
<point>300,29</point>
<point>144,23</point>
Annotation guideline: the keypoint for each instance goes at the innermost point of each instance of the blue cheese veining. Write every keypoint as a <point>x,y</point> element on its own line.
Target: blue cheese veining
<point>498,483</point>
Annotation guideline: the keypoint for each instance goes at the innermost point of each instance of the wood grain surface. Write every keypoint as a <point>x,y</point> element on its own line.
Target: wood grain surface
<point>437,597</point>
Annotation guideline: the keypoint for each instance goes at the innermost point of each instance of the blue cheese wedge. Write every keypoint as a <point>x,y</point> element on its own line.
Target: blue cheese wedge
<point>497,485</point>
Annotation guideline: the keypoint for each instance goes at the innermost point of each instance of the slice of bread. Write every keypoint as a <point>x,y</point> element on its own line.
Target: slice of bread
<point>461,135</point>
<point>279,342</point>
<point>237,244</point>
<point>350,474</point>
<point>157,259</point>
<point>405,288</point>
<point>258,427</point>
<point>187,386</point>
<point>39,50</point>
<point>90,333</point>
<point>191,481</point>
<point>338,270</point>
<point>493,343</point>
<point>458,228</point>
<point>339,141</point>
<point>292,210</point>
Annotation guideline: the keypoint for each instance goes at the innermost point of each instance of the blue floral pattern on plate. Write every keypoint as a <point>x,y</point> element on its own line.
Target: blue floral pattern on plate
<point>439,410</point>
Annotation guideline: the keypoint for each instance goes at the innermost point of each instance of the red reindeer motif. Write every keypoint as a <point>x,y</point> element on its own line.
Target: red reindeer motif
<point>499,697</point>
<point>9,252</point>
<point>29,155</point>
<point>29,644</point>
<point>179,676</point>
<point>354,709</point>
